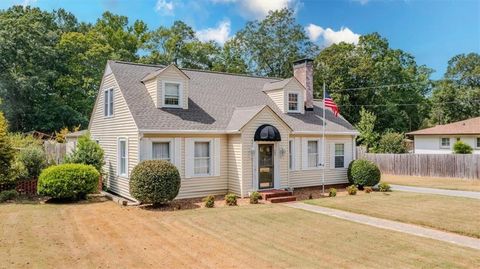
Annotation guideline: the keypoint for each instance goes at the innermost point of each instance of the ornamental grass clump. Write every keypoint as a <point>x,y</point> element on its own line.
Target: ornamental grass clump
<point>155,182</point>
<point>231,199</point>
<point>209,201</point>
<point>254,197</point>
<point>384,187</point>
<point>332,192</point>
<point>352,190</point>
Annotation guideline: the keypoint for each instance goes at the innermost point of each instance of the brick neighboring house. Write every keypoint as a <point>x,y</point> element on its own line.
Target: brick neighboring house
<point>440,139</point>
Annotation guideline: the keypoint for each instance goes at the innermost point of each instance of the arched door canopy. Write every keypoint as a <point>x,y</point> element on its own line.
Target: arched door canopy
<point>267,132</point>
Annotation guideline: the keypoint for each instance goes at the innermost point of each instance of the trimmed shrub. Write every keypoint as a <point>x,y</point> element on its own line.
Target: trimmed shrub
<point>209,201</point>
<point>384,187</point>
<point>368,189</point>
<point>462,148</point>
<point>254,197</point>
<point>6,149</point>
<point>8,195</point>
<point>231,199</point>
<point>352,190</point>
<point>68,181</point>
<point>87,152</point>
<point>363,173</point>
<point>332,192</point>
<point>33,159</point>
<point>155,182</point>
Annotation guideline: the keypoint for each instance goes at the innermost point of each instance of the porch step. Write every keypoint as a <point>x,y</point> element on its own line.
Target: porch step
<point>283,199</point>
<point>266,195</point>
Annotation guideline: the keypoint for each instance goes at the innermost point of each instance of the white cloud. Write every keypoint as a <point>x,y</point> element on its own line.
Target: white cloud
<point>329,36</point>
<point>260,8</point>
<point>165,7</point>
<point>28,2</point>
<point>219,34</point>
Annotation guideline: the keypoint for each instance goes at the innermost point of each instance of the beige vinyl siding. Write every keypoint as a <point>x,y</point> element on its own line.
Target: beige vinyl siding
<point>151,86</point>
<point>107,130</point>
<point>201,186</point>
<point>266,116</point>
<point>235,164</point>
<point>277,96</point>
<point>171,74</point>
<point>313,177</point>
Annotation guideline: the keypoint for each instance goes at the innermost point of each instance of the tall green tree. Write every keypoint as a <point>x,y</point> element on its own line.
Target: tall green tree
<point>457,96</point>
<point>368,64</point>
<point>271,45</point>
<point>230,58</point>
<point>366,126</point>
<point>6,150</point>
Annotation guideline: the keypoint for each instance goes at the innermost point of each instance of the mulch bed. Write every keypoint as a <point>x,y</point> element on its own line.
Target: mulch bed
<point>195,203</point>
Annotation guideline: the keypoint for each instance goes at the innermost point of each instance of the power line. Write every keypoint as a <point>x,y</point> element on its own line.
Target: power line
<point>379,86</point>
<point>413,104</point>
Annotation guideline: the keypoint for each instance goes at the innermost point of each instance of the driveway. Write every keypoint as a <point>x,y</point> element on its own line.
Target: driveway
<point>466,194</point>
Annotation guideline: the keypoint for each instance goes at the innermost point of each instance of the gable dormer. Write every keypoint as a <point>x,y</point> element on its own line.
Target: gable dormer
<point>287,94</point>
<point>168,87</point>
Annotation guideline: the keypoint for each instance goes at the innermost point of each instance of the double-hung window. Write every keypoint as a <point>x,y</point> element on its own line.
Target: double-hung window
<point>108,103</point>
<point>312,153</point>
<point>445,142</point>
<point>478,142</point>
<point>171,97</point>
<point>339,155</point>
<point>293,102</point>
<point>161,151</point>
<point>202,158</point>
<point>122,156</point>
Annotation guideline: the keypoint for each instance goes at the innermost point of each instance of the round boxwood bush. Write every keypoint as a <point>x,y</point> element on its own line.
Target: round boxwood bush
<point>155,182</point>
<point>67,181</point>
<point>363,173</point>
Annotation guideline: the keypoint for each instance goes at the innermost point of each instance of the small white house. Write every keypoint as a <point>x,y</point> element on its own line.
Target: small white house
<point>440,139</point>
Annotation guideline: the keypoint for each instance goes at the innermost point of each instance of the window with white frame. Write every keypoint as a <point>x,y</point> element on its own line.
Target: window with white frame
<point>122,156</point>
<point>293,101</point>
<point>290,154</point>
<point>108,103</point>
<point>478,142</point>
<point>202,158</point>
<point>161,151</point>
<point>339,155</point>
<point>445,142</point>
<point>171,94</point>
<point>312,153</point>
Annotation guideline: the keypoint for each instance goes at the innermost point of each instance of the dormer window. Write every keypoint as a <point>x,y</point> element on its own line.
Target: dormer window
<point>293,102</point>
<point>172,94</point>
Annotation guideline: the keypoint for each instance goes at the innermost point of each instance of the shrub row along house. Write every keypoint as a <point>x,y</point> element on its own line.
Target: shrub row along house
<point>224,132</point>
<point>441,138</point>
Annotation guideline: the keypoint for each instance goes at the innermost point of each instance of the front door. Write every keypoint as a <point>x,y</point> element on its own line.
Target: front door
<point>265,166</point>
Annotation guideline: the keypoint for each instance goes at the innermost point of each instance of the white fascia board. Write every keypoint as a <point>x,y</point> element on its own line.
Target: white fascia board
<point>153,131</point>
<point>327,133</point>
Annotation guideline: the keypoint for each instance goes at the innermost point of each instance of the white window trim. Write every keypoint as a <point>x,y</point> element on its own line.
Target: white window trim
<point>299,102</point>
<point>441,144</point>
<point>477,144</point>
<point>335,155</point>
<point>109,102</point>
<point>291,152</point>
<point>319,153</point>
<point>211,149</point>
<point>171,147</point>
<point>119,157</point>
<point>180,94</point>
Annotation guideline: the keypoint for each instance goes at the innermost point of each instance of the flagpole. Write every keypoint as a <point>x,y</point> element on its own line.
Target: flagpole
<point>323,141</point>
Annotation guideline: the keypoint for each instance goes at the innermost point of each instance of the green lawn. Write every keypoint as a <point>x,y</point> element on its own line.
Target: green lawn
<point>458,215</point>
<point>434,182</point>
<point>262,236</point>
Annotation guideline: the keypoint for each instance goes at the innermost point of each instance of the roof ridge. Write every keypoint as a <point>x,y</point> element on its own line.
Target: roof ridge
<point>199,70</point>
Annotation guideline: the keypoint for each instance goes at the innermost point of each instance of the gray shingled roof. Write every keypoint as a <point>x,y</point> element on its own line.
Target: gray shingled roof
<point>215,100</point>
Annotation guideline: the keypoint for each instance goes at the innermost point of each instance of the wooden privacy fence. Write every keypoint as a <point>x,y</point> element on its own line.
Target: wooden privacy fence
<point>432,165</point>
<point>55,151</point>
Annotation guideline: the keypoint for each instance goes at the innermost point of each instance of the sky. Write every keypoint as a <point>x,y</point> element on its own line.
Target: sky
<point>432,31</point>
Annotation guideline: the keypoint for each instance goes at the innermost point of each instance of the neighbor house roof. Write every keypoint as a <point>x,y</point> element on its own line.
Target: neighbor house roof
<point>215,101</point>
<point>470,126</point>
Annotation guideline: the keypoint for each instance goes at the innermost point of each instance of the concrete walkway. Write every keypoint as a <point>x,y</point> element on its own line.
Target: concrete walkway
<point>391,225</point>
<point>467,194</point>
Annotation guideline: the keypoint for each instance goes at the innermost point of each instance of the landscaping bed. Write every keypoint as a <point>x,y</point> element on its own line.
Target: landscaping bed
<point>453,214</point>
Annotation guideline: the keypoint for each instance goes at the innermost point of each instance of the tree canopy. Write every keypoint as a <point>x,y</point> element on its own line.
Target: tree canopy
<point>51,67</point>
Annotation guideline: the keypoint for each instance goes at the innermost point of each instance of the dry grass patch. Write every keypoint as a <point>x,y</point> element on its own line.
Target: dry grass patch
<point>104,235</point>
<point>453,214</point>
<point>434,182</point>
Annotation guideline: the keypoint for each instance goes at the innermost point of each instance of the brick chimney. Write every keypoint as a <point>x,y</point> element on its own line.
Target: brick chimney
<point>303,72</point>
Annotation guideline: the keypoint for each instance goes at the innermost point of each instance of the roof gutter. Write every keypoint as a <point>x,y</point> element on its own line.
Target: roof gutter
<point>153,131</point>
<point>326,132</point>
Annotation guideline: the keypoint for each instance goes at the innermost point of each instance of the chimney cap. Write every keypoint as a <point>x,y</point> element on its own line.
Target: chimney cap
<point>301,61</point>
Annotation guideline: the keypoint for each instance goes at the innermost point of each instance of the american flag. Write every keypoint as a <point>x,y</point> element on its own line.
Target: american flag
<point>328,102</point>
